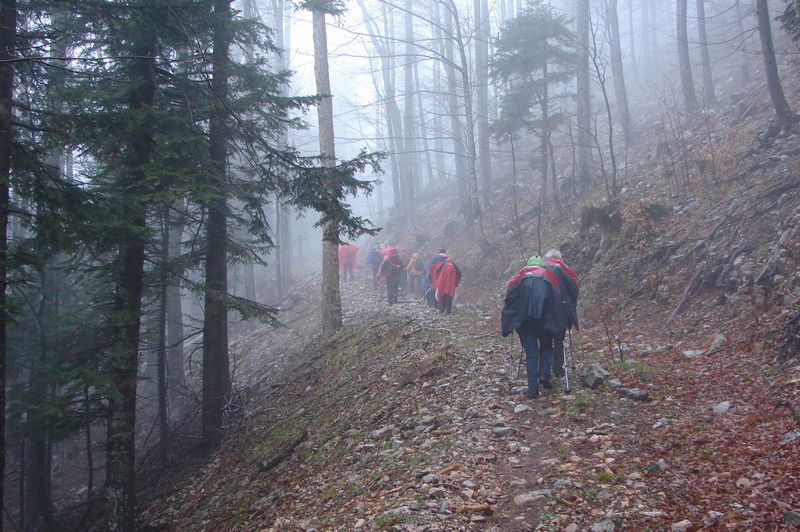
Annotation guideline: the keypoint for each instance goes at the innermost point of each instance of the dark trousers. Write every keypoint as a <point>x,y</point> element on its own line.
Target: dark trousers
<point>558,357</point>
<point>347,271</point>
<point>375,278</point>
<point>392,284</point>
<point>538,346</point>
<point>446,305</point>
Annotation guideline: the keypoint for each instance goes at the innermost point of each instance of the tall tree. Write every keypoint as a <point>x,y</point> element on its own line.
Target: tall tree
<point>620,91</point>
<point>8,50</point>
<point>331,299</point>
<point>482,27</point>
<point>216,366</point>
<point>786,117</point>
<point>687,80</point>
<point>709,95</point>
<point>413,170</point>
<point>584,105</point>
<point>123,362</point>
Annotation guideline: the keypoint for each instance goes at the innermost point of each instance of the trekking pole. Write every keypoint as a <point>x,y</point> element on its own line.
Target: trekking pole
<point>428,291</point>
<point>510,359</point>
<point>567,353</point>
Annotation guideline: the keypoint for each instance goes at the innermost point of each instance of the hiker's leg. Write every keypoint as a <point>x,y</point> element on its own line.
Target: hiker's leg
<point>530,343</point>
<point>558,357</point>
<point>545,356</point>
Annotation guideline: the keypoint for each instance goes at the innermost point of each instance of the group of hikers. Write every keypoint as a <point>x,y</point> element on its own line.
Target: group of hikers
<point>540,304</point>
<point>396,270</point>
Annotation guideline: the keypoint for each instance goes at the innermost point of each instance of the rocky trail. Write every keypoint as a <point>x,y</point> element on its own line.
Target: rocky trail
<point>407,421</point>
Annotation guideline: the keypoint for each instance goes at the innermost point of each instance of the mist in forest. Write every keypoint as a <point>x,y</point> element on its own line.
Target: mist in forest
<point>174,174</point>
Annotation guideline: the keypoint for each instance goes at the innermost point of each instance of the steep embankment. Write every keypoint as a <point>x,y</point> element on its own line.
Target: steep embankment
<point>407,420</point>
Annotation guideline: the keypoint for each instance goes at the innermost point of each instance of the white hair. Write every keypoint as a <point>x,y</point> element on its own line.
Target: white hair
<point>553,254</point>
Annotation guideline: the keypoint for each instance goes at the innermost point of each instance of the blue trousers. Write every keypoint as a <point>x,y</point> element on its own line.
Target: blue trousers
<point>538,346</point>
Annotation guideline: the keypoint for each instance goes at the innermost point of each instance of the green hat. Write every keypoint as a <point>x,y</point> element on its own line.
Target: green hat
<point>536,260</point>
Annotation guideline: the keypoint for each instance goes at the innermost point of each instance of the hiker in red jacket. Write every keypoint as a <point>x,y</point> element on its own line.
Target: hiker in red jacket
<point>347,260</point>
<point>391,271</point>
<point>570,287</point>
<point>444,284</point>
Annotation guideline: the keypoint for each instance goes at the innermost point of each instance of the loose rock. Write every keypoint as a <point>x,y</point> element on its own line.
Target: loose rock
<point>681,526</point>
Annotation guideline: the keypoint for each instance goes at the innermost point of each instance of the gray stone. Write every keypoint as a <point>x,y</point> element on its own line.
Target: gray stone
<point>430,478</point>
<point>381,432</point>
<point>693,353</point>
<point>712,517</point>
<point>521,408</point>
<point>614,383</point>
<point>443,507</point>
<point>659,466</point>
<point>504,431</point>
<point>436,492</point>
<point>721,408</point>
<point>636,394</point>
<point>513,447</point>
<point>791,517</point>
<point>681,526</point>
<point>572,527</point>
<point>550,411</point>
<point>604,525</point>
<point>661,423</point>
<point>592,375</point>
<point>524,499</point>
<point>790,437</point>
<point>719,341</point>
<point>562,483</point>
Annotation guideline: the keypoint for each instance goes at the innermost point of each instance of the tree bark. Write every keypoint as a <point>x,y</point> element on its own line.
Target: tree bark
<point>687,80</point>
<point>584,106</point>
<point>216,365</point>
<point>8,35</point>
<point>481,13</point>
<point>709,95</point>
<point>782,110</point>
<point>620,92</point>
<point>745,60</point>
<point>412,174</point>
<point>175,366</point>
<point>423,130</point>
<point>331,298</point>
<point>455,112</point>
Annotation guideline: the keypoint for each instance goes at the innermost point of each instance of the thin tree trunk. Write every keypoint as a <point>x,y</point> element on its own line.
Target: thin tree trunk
<point>481,12</point>
<point>175,366</point>
<point>709,94</point>
<point>331,298</point>
<point>8,33</point>
<point>745,59</point>
<point>782,110</point>
<point>687,80</point>
<point>423,129</point>
<point>584,106</point>
<point>216,366</point>
<point>161,358</point>
<point>620,92</point>
<point>455,112</point>
<point>409,118</point>
<point>543,144</point>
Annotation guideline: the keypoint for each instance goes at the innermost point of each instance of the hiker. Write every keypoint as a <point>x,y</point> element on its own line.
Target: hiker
<point>374,260</point>
<point>414,271</point>
<point>448,275</point>
<point>532,308</point>
<point>347,260</point>
<point>430,277</point>
<point>391,271</point>
<point>570,286</point>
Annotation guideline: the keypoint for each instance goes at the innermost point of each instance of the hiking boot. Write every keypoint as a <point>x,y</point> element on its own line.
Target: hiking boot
<point>546,383</point>
<point>533,395</point>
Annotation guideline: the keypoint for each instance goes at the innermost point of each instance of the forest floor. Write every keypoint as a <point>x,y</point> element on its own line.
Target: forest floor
<point>407,421</point>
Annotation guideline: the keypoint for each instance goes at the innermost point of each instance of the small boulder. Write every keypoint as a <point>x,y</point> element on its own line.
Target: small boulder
<point>791,517</point>
<point>525,499</point>
<point>592,375</point>
<point>604,525</point>
<point>502,432</point>
<point>682,526</point>
<point>721,408</point>
<point>636,394</point>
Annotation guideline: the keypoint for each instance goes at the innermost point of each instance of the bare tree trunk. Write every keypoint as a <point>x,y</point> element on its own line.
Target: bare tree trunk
<point>544,141</point>
<point>687,80</point>
<point>745,59</point>
<point>124,358</point>
<point>216,365</point>
<point>709,94</point>
<point>620,91</point>
<point>455,112</point>
<point>8,46</point>
<point>784,113</point>
<point>423,130</point>
<point>175,366</point>
<point>331,299</point>
<point>161,358</point>
<point>481,13</point>
<point>438,128</point>
<point>584,106</point>
<point>409,117</point>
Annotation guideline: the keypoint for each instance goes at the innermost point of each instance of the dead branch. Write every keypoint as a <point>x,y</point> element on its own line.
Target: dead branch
<point>265,467</point>
<point>687,293</point>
